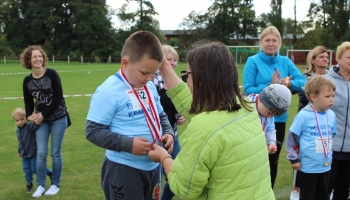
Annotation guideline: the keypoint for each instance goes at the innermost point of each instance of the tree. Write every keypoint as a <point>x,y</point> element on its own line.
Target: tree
<point>333,16</point>
<point>276,15</point>
<point>140,19</point>
<point>224,20</point>
<point>4,47</point>
<point>93,34</point>
<point>66,26</point>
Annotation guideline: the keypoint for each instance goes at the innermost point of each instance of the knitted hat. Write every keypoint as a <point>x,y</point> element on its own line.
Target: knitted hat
<point>276,98</point>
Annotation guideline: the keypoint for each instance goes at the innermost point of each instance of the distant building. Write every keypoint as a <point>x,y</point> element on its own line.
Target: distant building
<point>169,34</point>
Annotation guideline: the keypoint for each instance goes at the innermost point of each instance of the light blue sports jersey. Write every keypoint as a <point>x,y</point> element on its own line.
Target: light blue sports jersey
<point>114,104</point>
<point>312,159</point>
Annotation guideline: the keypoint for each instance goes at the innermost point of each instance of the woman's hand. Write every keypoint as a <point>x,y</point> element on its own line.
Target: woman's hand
<point>157,153</point>
<point>287,81</point>
<point>275,77</point>
<point>38,118</point>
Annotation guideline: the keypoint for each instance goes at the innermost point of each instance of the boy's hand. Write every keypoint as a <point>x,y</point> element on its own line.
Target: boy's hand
<point>169,142</point>
<point>19,155</point>
<point>32,117</point>
<point>272,148</point>
<point>140,146</point>
<point>180,120</point>
<point>296,166</point>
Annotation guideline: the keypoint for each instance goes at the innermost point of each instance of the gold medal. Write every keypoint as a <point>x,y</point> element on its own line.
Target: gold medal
<point>326,164</point>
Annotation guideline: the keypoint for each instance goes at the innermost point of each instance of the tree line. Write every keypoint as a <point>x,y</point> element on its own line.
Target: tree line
<point>84,27</point>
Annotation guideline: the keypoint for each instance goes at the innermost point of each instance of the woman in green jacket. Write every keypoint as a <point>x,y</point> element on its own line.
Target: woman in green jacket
<point>224,155</point>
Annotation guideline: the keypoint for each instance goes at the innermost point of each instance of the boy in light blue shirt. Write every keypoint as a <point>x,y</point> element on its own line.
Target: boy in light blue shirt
<point>309,141</point>
<point>126,118</point>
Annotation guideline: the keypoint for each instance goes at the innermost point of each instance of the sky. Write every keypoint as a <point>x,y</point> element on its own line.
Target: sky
<point>172,12</point>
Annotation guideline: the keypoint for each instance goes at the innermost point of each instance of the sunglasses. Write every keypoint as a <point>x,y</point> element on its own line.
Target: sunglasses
<point>184,75</point>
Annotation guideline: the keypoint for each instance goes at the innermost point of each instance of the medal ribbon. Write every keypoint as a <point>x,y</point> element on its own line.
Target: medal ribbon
<point>266,119</point>
<point>319,130</point>
<point>152,121</point>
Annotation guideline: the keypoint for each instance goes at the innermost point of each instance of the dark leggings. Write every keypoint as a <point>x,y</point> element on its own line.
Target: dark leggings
<point>273,158</point>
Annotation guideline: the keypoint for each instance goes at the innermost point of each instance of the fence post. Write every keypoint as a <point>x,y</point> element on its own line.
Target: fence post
<point>81,58</point>
<point>4,59</point>
<point>68,58</point>
<point>53,59</point>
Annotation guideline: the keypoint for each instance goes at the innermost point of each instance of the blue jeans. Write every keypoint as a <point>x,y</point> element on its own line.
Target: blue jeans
<point>28,165</point>
<point>29,168</point>
<point>57,129</point>
<point>167,193</point>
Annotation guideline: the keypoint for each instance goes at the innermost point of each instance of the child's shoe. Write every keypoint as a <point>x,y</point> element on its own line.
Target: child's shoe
<point>39,191</point>
<point>294,195</point>
<point>52,190</point>
<point>29,187</point>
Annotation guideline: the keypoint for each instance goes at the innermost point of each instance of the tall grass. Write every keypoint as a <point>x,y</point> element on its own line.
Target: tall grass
<point>82,159</point>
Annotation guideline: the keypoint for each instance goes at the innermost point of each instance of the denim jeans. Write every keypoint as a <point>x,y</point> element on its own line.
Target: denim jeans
<point>29,168</point>
<point>57,129</point>
<point>167,193</point>
<point>28,165</point>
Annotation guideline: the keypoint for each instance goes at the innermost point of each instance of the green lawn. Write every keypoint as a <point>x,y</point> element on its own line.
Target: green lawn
<point>82,159</point>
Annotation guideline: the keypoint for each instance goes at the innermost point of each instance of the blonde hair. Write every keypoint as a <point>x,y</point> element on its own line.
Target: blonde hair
<point>341,48</point>
<point>169,49</point>
<point>271,30</point>
<point>312,55</point>
<point>315,84</point>
<point>18,111</point>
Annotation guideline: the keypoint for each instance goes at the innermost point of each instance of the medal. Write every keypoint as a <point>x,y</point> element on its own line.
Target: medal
<point>319,130</point>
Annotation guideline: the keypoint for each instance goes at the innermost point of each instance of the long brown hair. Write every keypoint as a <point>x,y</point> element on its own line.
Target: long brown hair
<point>215,79</point>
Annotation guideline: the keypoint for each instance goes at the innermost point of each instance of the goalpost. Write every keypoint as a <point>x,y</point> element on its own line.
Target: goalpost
<point>299,56</point>
<point>241,53</point>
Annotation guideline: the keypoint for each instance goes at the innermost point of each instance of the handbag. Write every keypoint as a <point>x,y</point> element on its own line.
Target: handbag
<point>69,122</point>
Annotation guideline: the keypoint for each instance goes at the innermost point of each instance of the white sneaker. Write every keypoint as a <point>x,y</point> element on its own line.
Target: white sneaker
<point>52,190</point>
<point>294,195</point>
<point>39,191</point>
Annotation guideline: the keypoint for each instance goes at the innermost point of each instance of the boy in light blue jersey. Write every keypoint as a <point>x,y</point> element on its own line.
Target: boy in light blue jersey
<point>126,118</point>
<point>272,100</point>
<point>309,141</point>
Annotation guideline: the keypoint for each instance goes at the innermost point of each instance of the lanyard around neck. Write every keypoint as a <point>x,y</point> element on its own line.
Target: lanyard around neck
<point>266,118</point>
<point>319,130</point>
<point>152,121</point>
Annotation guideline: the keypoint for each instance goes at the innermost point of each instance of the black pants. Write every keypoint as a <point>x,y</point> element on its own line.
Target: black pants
<point>314,186</point>
<point>123,182</point>
<point>273,158</point>
<point>340,179</point>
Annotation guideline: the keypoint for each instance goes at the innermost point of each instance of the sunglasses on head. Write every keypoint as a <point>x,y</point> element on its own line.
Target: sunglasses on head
<point>184,75</point>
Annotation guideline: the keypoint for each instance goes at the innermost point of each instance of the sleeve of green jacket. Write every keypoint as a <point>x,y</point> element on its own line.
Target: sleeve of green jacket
<point>191,169</point>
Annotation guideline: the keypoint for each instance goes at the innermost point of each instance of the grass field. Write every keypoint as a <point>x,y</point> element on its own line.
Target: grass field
<point>82,159</point>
